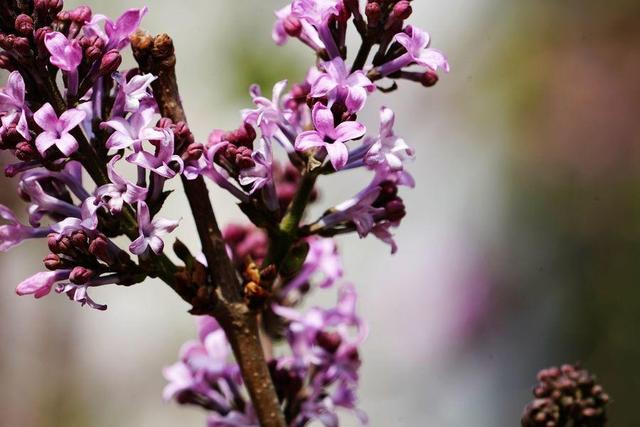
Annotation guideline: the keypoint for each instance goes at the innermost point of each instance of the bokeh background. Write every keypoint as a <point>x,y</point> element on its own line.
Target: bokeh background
<point>520,249</point>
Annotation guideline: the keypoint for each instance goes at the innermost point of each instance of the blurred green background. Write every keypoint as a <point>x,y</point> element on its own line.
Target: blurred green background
<point>520,249</point>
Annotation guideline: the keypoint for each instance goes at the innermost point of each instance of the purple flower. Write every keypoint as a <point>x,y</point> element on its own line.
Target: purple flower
<point>329,136</point>
<point>164,162</point>
<point>133,131</point>
<point>323,260</point>
<point>316,14</point>
<point>40,284</point>
<point>338,85</point>
<point>150,231</point>
<point>43,203</point>
<point>120,190</point>
<point>416,42</point>
<point>56,130</point>
<point>261,174</point>
<point>78,293</point>
<point>132,92</point>
<point>387,149</point>
<point>269,115</point>
<point>115,34</point>
<point>13,106</point>
<point>65,54</point>
<point>14,233</point>
<point>279,32</point>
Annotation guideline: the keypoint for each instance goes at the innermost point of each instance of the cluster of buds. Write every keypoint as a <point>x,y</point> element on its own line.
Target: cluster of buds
<point>566,396</point>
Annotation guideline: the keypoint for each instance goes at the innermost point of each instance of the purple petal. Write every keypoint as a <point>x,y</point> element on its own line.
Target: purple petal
<point>307,140</point>
<point>46,118</point>
<point>323,119</point>
<point>347,131</point>
<point>387,120</point>
<point>338,154</point>
<point>44,141</point>
<point>356,98</point>
<point>67,144</point>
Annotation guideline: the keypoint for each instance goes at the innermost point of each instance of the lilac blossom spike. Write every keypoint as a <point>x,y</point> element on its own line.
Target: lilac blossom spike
<point>339,86</point>
<point>328,136</point>
<point>151,231</point>
<point>56,130</point>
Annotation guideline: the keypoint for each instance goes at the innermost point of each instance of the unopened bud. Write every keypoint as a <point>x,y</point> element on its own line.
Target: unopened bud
<point>79,240</point>
<point>24,24</point>
<point>81,14</point>
<point>80,275</point>
<point>22,45</point>
<point>401,11</point>
<point>52,262</point>
<point>329,341</point>
<point>99,248</point>
<point>110,62</point>
<point>429,78</point>
<point>193,152</point>
<point>6,63</point>
<point>26,152</point>
<point>292,26</point>
<point>374,14</point>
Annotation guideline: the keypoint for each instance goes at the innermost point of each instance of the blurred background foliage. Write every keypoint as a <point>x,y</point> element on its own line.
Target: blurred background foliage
<point>520,249</point>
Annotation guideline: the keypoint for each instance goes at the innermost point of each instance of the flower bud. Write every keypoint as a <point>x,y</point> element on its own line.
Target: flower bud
<point>52,262</point>
<point>80,275</point>
<point>429,78</point>
<point>395,210</point>
<point>330,341</point>
<point>24,24</point>
<point>81,14</point>
<point>292,26</point>
<point>79,240</point>
<point>39,38</point>
<point>26,152</point>
<point>99,248</point>
<point>6,62</point>
<point>22,45</point>
<point>110,62</point>
<point>374,14</point>
<point>193,152</point>
<point>401,11</point>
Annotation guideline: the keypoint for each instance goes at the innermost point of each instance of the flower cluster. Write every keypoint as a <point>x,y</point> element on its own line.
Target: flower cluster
<point>318,375</point>
<point>94,146</point>
<point>566,396</point>
<point>65,110</point>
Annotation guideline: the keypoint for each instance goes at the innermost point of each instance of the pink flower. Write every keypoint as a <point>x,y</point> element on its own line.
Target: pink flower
<point>14,233</point>
<point>131,92</point>
<point>115,34</point>
<point>56,130</point>
<point>12,104</point>
<point>120,190</point>
<point>387,149</point>
<point>132,131</point>
<point>65,54</point>
<point>338,85</point>
<point>151,231</point>
<point>416,42</point>
<point>163,162</point>
<point>329,136</point>
<point>40,284</point>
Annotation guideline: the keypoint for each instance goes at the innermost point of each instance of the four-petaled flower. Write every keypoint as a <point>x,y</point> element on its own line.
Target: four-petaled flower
<point>120,190</point>
<point>12,105</point>
<point>131,92</point>
<point>56,130</point>
<point>416,42</point>
<point>115,34</point>
<point>151,231</point>
<point>40,284</point>
<point>164,162</point>
<point>338,85</point>
<point>387,148</point>
<point>132,131</point>
<point>65,54</point>
<point>329,136</point>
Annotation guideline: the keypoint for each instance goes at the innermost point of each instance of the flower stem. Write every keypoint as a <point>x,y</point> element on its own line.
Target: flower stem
<point>156,55</point>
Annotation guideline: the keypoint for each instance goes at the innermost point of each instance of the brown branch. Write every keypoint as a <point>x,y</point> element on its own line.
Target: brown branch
<point>156,55</point>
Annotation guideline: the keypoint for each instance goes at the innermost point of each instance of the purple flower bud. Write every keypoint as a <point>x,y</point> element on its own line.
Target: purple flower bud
<point>110,62</point>
<point>21,45</point>
<point>93,47</point>
<point>81,14</point>
<point>401,11</point>
<point>193,152</point>
<point>99,248</point>
<point>39,37</point>
<point>26,152</point>
<point>292,26</point>
<point>79,240</point>
<point>429,78</point>
<point>6,41</point>
<point>395,210</point>
<point>80,275</point>
<point>329,341</point>
<point>52,262</point>
<point>374,14</point>
<point>6,62</point>
<point>24,25</point>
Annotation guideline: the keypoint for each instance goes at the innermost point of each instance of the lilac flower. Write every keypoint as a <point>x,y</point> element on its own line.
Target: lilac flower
<point>115,34</point>
<point>132,131</point>
<point>132,92</point>
<point>338,85</point>
<point>14,233</point>
<point>329,136</point>
<point>43,203</point>
<point>120,190</point>
<point>40,284</point>
<point>316,14</point>
<point>322,259</point>
<point>279,33</point>
<point>416,42</point>
<point>13,106</point>
<point>164,162</point>
<point>387,148</point>
<point>56,130</point>
<point>261,174</point>
<point>269,115</point>
<point>151,231</point>
<point>78,293</point>
<point>65,54</point>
